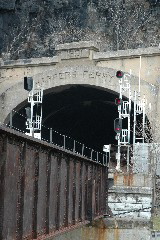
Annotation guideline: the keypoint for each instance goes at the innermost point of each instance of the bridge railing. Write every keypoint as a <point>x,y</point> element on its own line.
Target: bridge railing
<point>46,190</point>
<point>52,136</point>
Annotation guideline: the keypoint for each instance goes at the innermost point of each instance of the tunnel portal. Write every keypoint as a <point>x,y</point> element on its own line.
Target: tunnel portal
<point>82,112</point>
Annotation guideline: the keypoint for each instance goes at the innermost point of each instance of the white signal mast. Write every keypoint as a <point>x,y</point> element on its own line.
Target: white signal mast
<point>124,110</point>
<point>139,108</point>
<point>34,112</point>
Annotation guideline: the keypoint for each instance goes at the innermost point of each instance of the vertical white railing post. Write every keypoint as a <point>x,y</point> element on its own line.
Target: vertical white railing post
<point>50,135</point>
<point>127,158</point>
<point>91,154</point>
<point>82,149</point>
<point>10,121</point>
<point>64,141</point>
<point>74,146</point>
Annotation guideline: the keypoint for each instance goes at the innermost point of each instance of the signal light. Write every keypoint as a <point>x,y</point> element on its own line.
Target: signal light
<point>118,125</point>
<point>28,83</point>
<point>119,74</point>
<point>118,101</point>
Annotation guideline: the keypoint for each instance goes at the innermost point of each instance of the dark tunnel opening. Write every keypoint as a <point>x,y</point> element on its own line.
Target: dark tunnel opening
<point>84,113</point>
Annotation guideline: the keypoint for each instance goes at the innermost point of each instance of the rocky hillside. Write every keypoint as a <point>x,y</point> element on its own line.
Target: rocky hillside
<point>32,28</point>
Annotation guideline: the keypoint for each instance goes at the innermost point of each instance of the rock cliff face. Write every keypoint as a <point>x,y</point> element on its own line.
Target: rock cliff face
<point>32,28</point>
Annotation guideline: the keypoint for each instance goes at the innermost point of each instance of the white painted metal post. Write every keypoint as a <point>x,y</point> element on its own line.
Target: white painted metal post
<point>128,158</point>
<point>118,155</point>
<point>134,119</point>
<point>50,135</point>
<point>32,105</point>
<point>124,112</point>
<point>35,97</point>
<point>64,141</point>
<point>118,167</point>
<point>109,155</point>
<point>10,121</point>
<point>139,108</point>
<point>106,149</point>
<point>129,116</point>
<point>91,154</point>
<point>144,103</point>
<point>33,128</point>
<point>74,146</point>
<point>82,149</point>
<point>140,63</point>
<point>97,156</point>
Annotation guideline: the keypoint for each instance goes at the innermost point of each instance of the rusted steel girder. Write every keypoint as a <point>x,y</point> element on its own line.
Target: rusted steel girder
<point>45,190</point>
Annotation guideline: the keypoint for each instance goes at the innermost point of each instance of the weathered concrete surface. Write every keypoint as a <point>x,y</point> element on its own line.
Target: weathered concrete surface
<point>127,60</point>
<point>109,230</point>
<point>131,195</point>
<point>125,203</point>
<point>156,223</point>
<point>77,63</point>
<point>132,180</point>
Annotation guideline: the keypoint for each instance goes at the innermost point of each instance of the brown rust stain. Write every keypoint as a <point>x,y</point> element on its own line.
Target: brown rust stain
<point>125,180</point>
<point>101,234</point>
<point>85,233</point>
<point>99,228</point>
<point>97,231</point>
<point>128,179</point>
<point>116,234</point>
<point>106,234</point>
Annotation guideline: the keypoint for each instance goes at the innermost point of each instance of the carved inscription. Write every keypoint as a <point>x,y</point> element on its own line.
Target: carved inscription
<point>65,75</point>
<point>76,75</point>
<point>75,53</point>
<point>96,75</point>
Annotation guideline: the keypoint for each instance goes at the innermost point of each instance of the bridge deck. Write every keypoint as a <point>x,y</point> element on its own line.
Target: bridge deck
<point>45,190</point>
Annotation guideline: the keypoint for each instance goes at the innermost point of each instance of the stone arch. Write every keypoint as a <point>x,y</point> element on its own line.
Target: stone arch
<point>15,94</point>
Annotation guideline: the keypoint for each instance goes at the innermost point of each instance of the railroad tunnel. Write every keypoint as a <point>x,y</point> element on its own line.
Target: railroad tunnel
<point>82,112</point>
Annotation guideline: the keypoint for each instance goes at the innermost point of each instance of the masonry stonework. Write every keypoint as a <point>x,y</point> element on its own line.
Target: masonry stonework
<point>80,63</point>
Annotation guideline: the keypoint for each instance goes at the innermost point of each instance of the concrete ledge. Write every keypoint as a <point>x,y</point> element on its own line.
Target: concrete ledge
<point>130,198</point>
<point>126,223</point>
<point>130,53</point>
<point>29,62</point>
<point>125,189</point>
<point>132,179</point>
<point>78,45</point>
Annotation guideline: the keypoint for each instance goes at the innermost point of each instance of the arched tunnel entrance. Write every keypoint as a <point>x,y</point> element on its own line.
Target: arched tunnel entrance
<point>83,112</point>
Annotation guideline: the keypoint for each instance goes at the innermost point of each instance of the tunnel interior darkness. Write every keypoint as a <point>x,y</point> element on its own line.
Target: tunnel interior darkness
<point>85,113</point>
